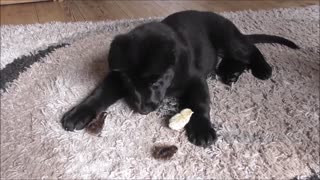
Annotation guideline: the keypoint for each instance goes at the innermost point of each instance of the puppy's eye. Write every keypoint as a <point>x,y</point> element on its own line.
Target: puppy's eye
<point>153,80</point>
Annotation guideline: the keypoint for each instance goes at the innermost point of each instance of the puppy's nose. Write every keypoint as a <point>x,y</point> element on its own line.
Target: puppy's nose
<point>144,112</point>
<point>145,109</point>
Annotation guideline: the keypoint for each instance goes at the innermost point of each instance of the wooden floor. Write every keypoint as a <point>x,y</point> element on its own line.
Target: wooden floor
<point>96,10</point>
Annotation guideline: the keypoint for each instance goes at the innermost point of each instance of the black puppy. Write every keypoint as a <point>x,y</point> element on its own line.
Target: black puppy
<point>173,58</point>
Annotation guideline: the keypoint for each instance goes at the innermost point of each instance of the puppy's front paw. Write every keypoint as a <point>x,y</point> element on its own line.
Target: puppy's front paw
<point>201,133</point>
<point>77,118</point>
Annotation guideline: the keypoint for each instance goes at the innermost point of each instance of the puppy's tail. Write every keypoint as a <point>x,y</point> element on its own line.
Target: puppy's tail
<point>264,38</point>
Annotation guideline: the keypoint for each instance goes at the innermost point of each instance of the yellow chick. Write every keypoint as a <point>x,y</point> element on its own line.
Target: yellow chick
<point>178,121</point>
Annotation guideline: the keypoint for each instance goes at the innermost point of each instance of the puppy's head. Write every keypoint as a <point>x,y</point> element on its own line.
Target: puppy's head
<point>145,58</point>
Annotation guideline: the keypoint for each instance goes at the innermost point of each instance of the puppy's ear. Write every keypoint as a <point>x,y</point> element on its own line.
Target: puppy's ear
<point>119,49</point>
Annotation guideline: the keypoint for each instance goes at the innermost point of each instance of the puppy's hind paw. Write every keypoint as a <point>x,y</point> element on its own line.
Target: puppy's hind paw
<point>262,71</point>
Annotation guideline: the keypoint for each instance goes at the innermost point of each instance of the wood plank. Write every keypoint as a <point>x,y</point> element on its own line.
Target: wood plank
<point>3,14</point>
<point>51,11</point>
<point>7,2</point>
<point>94,10</point>
<point>19,14</point>
<point>139,9</point>
<point>196,5</point>
<point>220,6</point>
<point>72,11</point>
<point>112,11</point>
<point>90,10</point>
<point>288,3</point>
<point>171,6</point>
<point>232,5</point>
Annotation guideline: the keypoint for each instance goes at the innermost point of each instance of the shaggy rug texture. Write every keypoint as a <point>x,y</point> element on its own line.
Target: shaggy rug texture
<point>267,129</point>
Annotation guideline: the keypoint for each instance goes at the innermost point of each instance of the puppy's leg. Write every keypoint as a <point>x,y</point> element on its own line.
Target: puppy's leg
<point>108,92</point>
<point>196,97</point>
<point>230,70</point>
<point>243,51</point>
<point>258,65</point>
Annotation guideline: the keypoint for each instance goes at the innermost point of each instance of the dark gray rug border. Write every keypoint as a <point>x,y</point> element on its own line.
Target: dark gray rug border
<point>12,71</point>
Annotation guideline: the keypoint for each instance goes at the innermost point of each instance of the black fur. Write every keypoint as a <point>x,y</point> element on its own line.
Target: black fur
<point>173,58</point>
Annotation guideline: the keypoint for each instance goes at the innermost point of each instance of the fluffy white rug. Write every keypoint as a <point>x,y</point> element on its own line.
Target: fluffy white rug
<point>267,129</point>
